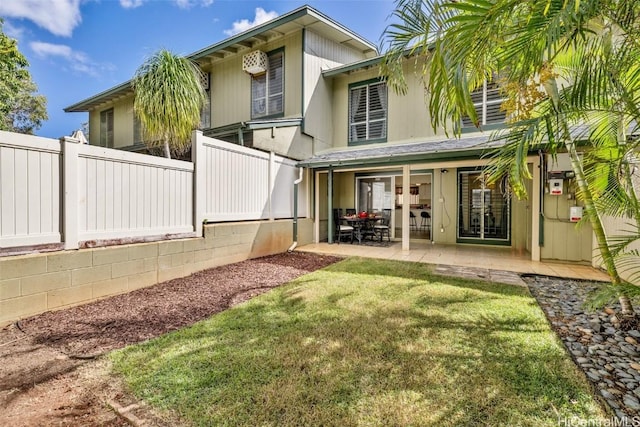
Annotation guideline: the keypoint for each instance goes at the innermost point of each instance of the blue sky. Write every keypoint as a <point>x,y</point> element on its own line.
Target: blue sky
<point>78,48</point>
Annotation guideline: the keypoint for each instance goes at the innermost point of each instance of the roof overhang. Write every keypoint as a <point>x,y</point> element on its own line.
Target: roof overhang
<point>303,17</point>
<point>428,151</point>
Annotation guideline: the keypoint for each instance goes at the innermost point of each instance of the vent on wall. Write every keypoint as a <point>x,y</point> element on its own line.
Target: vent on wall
<point>204,79</point>
<point>255,62</point>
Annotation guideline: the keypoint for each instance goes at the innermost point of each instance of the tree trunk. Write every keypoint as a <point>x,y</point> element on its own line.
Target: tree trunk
<point>551,88</point>
<point>167,151</point>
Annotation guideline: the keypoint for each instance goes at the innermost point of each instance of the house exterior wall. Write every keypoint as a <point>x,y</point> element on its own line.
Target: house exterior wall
<point>122,123</point>
<point>231,87</point>
<point>32,284</point>
<point>564,240</point>
<point>320,54</point>
<point>408,118</point>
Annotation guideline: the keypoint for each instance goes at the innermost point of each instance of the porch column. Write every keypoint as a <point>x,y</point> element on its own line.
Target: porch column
<point>316,208</point>
<point>330,205</point>
<point>406,205</point>
<point>535,210</point>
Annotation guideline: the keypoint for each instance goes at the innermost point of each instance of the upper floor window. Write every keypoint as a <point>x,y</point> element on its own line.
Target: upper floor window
<point>487,101</point>
<point>368,111</point>
<point>106,128</point>
<point>267,89</point>
<point>205,113</point>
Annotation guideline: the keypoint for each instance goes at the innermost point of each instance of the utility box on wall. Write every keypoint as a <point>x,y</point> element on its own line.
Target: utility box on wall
<point>575,213</point>
<point>556,186</point>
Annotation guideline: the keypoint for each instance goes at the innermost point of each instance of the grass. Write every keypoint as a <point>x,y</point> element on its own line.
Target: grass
<point>366,343</point>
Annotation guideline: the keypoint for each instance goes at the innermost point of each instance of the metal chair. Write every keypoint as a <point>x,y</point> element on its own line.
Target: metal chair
<point>382,226</point>
<point>341,229</point>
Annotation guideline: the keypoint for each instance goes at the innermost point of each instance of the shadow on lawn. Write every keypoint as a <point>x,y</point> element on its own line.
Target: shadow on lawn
<point>289,359</point>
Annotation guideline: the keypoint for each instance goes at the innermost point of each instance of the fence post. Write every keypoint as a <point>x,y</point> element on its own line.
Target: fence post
<point>199,176</point>
<point>272,182</point>
<point>70,176</point>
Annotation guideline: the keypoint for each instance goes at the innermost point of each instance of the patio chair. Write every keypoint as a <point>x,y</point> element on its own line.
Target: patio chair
<point>382,226</point>
<point>340,228</point>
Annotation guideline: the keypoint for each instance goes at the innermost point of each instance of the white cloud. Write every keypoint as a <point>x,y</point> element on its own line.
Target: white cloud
<point>59,17</point>
<point>77,61</point>
<point>131,4</point>
<point>187,4</point>
<point>12,31</point>
<point>244,24</point>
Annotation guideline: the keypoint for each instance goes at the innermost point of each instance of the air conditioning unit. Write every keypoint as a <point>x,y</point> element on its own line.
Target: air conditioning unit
<point>255,62</point>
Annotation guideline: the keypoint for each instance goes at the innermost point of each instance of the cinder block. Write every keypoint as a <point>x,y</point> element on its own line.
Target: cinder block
<point>164,262</point>
<point>83,276</point>
<point>45,282</point>
<point>195,244</point>
<point>127,268</point>
<point>232,250</point>
<point>170,273</point>
<point>142,280</point>
<point>170,247</point>
<point>202,255</point>
<point>150,264</point>
<point>21,266</point>
<point>64,297</point>
<point>9,289</point>
<point>109,287</point>
<point>69,260</point>
<point>144,250</point>
<point>113,255</point>
<point>17,308</point>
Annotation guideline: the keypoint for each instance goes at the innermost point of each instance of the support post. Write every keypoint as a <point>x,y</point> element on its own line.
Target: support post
<point>406,208</point>
<point>535,210</point>
<point>330,205</point>
<point>71,202</point>
<point>199,187</point>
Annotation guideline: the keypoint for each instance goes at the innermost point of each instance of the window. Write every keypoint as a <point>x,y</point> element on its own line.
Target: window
<point>205,113</point>
<point>106,128</point>
<point>487,101</point>
<point>267,90</point>
<point>137,130</point>
<point>368,112</point>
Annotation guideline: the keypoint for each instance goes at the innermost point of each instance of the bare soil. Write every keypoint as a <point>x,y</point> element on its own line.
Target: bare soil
<point>50,370</point>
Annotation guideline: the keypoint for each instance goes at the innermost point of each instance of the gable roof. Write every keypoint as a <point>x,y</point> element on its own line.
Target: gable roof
<point>391,154</point>
<point>302,17</point>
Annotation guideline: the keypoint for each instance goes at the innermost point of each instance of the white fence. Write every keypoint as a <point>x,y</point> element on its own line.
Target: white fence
<point>242,183</point>
<point>112,194</point>
<point>29,190</point>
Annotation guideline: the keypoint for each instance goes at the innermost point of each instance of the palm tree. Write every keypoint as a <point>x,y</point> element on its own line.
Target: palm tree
<point>168,99</point>
<point>534,46</point>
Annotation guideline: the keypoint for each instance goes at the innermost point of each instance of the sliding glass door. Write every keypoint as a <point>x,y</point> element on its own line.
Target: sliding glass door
<point>483,209</point>
<point>374,193</point>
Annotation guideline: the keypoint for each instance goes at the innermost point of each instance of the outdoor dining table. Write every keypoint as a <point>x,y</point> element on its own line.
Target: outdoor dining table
<point>362,226</point>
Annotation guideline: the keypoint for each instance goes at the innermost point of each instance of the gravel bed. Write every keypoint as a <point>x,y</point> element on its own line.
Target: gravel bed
<point>609,356</point>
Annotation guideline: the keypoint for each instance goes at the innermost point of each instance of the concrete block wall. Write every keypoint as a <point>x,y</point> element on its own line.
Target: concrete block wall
<point>35,283</point>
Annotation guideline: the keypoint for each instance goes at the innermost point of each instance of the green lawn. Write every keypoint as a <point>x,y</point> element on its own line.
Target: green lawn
<point>366,343</point>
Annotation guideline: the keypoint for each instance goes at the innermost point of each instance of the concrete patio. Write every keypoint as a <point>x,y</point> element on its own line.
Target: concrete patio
<point>492,258</point>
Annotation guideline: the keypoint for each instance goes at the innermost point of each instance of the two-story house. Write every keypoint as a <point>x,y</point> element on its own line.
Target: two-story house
<point>305,87</point>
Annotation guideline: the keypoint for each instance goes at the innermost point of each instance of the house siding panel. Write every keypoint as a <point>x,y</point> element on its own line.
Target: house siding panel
<point>321,54</point>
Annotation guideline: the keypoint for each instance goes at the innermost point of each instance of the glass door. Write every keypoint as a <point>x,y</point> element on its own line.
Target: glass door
<point>483,208</point>
<point>374,194</point>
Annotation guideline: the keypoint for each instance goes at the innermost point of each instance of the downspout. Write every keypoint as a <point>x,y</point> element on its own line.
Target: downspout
<point>295,212</point>
<point>543,177</point>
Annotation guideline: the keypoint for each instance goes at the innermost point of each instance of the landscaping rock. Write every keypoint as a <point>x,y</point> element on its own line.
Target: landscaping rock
<point>609,356</point>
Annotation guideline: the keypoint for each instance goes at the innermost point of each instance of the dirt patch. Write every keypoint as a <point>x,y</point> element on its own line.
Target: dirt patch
<point>46,378</point>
